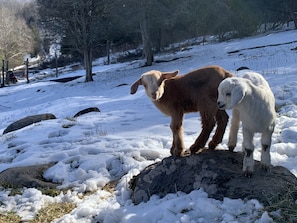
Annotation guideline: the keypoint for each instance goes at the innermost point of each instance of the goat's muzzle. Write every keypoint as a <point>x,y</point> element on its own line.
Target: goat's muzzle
<point>221,105</point>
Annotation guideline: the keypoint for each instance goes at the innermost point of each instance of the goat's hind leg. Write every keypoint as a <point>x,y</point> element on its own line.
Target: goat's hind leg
<point>265,152</point>
<point>222,121</point>
<point>208,123</point>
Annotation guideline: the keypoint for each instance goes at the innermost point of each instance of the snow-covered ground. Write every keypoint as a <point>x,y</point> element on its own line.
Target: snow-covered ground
<point>130,133</point>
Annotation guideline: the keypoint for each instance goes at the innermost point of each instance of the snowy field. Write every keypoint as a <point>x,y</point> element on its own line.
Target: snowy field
<point>130,133</point>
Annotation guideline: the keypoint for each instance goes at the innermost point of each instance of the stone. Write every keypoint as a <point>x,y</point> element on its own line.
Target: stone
<point>218,172</point>
<point>66,79</point>
<point>85,111</point>
<point>28,121</point>
<point>27,176</point>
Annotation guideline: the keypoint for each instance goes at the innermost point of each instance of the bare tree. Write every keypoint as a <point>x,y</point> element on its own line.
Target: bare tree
<point>150,17</point>
<point>16,37</point>
<point>146,31</point>
<point>79,20</point>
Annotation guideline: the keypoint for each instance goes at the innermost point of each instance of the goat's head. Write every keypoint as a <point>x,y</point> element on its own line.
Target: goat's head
<point>231,92</point>
<point>153,82</point>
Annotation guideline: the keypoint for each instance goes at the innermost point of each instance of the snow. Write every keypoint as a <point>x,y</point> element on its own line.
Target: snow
<point>130,133</point>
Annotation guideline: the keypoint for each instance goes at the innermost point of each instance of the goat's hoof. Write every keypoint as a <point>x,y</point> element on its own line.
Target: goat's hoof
<point>212,145</point>
<point>194,149</point>
<point>248,173</point>
<point>231,148</point>
<point>176,152</point>
<point>193,152</point>
<point>265,167</point>
<point>187,152</point>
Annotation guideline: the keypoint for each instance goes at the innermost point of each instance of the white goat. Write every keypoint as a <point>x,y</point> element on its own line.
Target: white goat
<point>253,104</point>
<point>176,95</point>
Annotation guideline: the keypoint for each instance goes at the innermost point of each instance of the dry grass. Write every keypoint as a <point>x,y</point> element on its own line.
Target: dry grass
<point>110,187</point>
<point>45,215</point>
<point>52,212</point>
<point>283,209</point>
<point>9,217</point>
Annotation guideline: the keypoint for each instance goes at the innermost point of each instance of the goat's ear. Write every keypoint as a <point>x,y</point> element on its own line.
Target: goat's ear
<point>134,86</point>
<point>237,94</point>
<point>167,75</point>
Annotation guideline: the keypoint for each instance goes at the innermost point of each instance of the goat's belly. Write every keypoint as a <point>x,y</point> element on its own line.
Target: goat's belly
<point>257,124</point>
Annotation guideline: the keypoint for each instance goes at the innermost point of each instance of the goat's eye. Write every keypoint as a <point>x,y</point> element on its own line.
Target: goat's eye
<point>228,94</point>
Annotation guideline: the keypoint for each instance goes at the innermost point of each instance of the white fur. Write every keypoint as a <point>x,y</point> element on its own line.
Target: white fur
<point>253,104</point>
<point>153,82</point>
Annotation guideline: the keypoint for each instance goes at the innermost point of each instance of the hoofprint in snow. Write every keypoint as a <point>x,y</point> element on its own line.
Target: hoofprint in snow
<point>130,133</point>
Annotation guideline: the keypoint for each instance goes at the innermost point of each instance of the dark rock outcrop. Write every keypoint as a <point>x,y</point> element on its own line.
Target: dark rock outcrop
<point>66,79</point>
<point>218,172</point>
<point>85,111</point>
<point>28,121</point>
<point>28,176</point>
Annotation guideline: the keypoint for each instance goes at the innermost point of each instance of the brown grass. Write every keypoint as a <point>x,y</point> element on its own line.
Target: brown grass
<point>9,217</point>
<point>52,212</point>
<point>285,205</point>
<point>45,215</point>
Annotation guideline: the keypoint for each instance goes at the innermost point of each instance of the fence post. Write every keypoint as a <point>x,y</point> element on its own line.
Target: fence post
<point>6,71</point>
<point>2,84</point>
<point>27,70</point>
<point>56,60</point>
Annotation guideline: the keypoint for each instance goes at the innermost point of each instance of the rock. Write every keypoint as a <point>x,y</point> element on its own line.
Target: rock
<point>29,176</point>
<point>242,68</point>
<point>85,111</point>
<point>66,79</point>
<point>28,121</point>
<point>218,172</point>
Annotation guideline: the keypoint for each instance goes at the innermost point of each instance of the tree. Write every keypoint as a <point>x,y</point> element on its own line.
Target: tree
<point>137,14</point>
<point>16,37</point>
<point>77,22</point>
<point>29,13</point>
<point>144,23</point>
<point>148,18</point>
<point>276,12</point>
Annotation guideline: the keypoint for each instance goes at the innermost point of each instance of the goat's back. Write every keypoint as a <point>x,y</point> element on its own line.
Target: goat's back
<point>212,75</point>
<point>193,91</point>
<point>257,79</point>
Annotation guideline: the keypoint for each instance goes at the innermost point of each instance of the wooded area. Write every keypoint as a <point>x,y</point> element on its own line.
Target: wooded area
<point>87,29</point>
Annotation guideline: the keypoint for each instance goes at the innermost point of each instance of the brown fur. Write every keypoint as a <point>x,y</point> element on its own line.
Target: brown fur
<point>192,92</point>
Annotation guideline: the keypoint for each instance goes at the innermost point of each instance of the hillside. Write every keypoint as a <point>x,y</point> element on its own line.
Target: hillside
<point>129,133</point>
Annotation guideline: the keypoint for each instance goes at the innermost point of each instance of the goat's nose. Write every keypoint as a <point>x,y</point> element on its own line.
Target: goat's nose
<point>220,105</point>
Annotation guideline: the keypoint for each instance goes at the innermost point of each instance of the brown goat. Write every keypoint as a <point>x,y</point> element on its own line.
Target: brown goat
<point>176,95</point>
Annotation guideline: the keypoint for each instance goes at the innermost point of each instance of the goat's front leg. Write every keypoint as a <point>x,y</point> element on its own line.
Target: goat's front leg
<point>265,152</point>
<point>248,150</point>
<point>235,122</point>
<point>178,147</point>
<point>222,121</point>
<point>208,123</point>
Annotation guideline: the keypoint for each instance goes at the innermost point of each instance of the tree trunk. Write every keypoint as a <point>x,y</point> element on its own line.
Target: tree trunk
<point>108,46</point>
<point>158,41</point>
<point>146,40</point>
<point>88,64</point>
<point>294,17</point>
